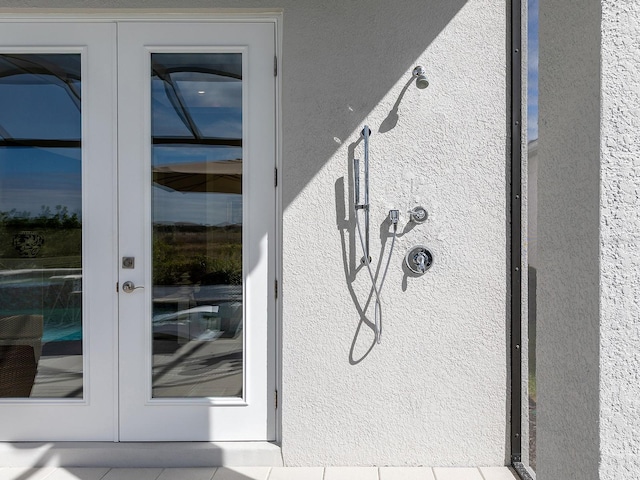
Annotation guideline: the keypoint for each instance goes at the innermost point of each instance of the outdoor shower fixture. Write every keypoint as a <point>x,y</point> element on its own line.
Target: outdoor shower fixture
<point>418,259</point>
<point>421,77</point>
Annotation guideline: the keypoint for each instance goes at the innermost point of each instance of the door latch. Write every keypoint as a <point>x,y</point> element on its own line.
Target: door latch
<point>128,287</point>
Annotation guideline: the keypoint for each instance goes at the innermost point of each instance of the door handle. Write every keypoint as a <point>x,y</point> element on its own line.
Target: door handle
<point>128,287</point>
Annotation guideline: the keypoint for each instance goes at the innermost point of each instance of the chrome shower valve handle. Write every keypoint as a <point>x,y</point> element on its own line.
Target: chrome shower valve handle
<point>418,214</point>
<point>419,259</point>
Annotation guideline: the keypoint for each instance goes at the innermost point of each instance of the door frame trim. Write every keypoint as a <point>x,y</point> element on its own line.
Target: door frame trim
<point>172,15</point>
<point>222,15</point>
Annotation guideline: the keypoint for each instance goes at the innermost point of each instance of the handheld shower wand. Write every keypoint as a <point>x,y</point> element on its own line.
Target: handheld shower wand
<point>394,216</point>
<point>366,132</point>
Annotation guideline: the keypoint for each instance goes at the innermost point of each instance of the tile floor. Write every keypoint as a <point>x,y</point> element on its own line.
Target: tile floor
<point>259,473</point>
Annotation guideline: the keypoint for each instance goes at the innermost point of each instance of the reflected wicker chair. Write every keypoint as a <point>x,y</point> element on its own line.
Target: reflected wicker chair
<point>22,330</point>
<point>17,370</point>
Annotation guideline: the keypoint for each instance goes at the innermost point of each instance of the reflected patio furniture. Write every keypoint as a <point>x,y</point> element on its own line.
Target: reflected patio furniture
<point>23,330</point>
<point>197,323</point>
<point>229,300</point>
<point>17,370</point>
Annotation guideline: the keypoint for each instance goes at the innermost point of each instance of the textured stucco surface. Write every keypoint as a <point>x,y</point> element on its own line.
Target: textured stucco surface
<point>435,391</point>
<point>620,242</point>
<point>589,298</point>
<point>568,240</point>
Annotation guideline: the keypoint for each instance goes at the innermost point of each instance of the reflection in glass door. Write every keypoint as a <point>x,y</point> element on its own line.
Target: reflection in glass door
<point>197,213</point>
<point>187,218</point>
<point>196,125</point>
<point>58,310</point>
<point>40,226</point>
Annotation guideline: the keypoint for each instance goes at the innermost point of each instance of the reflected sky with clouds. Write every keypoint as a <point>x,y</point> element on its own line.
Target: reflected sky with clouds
<point>39,95</point>
<point>32,177</point>
<point>217,111</point>
<point>197,208</point>
<point>39,105</point>
<point>38,111</point>
<point>196,96</point>
<point>170,154</point>
<point>40,101</point>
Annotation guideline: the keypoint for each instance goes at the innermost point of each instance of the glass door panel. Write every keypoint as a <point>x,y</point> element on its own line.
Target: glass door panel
<point>197,215</point>
<point>40,226</point>
<point>137,303</point>
<point>57,296</point>
<point>197,304</point>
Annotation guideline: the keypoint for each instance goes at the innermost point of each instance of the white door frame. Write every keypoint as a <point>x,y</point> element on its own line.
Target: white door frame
<point>93,416</point>
<point>251,417</point>
<point>12,22</point>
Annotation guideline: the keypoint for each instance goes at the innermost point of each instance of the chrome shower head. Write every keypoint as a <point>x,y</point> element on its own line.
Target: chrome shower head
<point>421,77</point>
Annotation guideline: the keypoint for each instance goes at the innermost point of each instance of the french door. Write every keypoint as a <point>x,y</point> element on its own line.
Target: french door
<point>137,214</point>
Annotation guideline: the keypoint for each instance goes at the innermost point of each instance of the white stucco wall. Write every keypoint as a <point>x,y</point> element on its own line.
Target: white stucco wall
<point>435,391</point>
<point>589,245</point>
<point>568,240</point>
<point>620,241</point>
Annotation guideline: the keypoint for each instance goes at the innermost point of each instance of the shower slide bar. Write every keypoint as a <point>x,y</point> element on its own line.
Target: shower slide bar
<point>366,132</point>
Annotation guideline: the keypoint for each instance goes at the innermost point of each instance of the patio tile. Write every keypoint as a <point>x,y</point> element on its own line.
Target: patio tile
<point>187,474</point>
<point>242,473</point>
<point>498,473</point>
<point>25,473</point>
<point>351,473</point>
<point>296,473</point>
<point>132,474</point>
<point>77,473</point>
<point>406,473</point>
<point>457,473</point>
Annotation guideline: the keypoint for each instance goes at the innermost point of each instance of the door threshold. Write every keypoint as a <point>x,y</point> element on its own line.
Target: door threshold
<point>139,454</point>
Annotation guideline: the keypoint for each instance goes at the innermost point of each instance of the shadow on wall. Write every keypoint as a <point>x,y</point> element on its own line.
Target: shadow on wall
<point>340,60</point>
<point>391,120</point>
